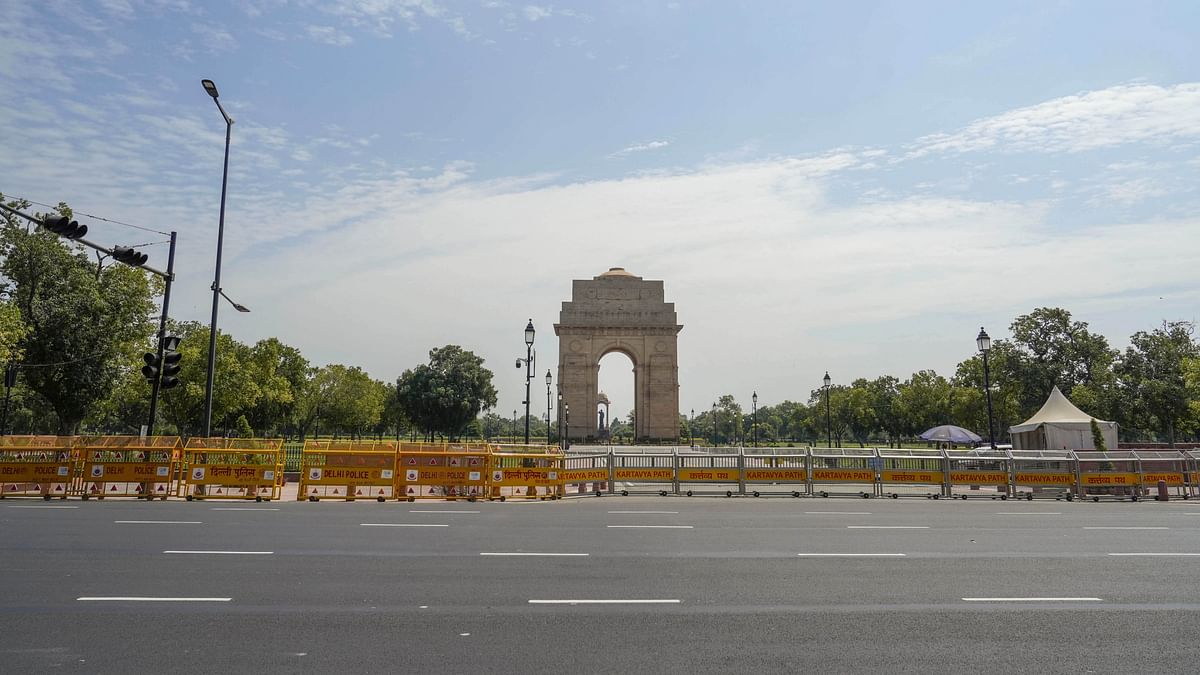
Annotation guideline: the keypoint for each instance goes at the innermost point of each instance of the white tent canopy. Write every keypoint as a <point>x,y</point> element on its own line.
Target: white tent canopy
<point>1059,424</point>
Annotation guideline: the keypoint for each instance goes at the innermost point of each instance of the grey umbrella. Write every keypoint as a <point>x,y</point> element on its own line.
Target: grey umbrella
<point>948,433</point>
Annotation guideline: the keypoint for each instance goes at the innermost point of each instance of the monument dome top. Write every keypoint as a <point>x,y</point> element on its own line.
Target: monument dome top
<point>618,272</point>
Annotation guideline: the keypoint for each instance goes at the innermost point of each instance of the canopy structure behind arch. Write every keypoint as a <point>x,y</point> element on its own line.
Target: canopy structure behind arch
<point>1058,425</point>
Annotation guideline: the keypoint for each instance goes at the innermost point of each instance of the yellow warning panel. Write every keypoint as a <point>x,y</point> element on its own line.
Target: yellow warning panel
<point>131,472</point>
<point>709,475</point>
<point>902,476</point>
<point>777,475</point>
<point>539,476</point>
<point>336,475</point>
<point>1109,479</point>
<point>35,471</point>
<point>1173,478</point>
<point>1035,478</point>
<point>844,475</point>
<point>655,475</point>
<point>979,477</point>
<point>231,474</point>
<point>583,475</point>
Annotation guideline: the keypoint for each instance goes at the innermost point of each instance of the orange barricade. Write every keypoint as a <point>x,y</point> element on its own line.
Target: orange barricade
<point>232,468</point>
<point>440,471</point>
<point>36,466</point>
<point>126,466</point>
<point>347,470</point>
<point>532,472</point>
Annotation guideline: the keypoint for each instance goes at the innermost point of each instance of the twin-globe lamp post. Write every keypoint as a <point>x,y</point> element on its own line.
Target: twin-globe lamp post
<point>828,418</point>
<point>984,342</point>
<point>211,88</point>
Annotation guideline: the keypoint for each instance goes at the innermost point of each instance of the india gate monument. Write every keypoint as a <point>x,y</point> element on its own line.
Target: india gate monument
<point>620,312</point>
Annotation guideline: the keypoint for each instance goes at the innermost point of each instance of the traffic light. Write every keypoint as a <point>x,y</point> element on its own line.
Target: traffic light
<point>170,362</point>
<point>64,227</point>
<point>168,367</point>
<point>129,256</point>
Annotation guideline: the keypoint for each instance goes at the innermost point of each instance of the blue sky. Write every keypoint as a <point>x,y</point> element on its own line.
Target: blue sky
<point>848,186</point>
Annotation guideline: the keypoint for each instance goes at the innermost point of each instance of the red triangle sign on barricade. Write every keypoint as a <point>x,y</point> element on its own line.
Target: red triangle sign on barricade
<point>433,461</point>
<point>335,491</point>
<point>97,455</point>
<point>314,491</point>
<point>113,489</point>
<point>474,461</point>
<point>160,489</point>
<point>138,488</point>
<point>410,491</point>
<point>37,487</point>
<point>381,491</point>
<point>454,461</point>
<point>141,456</point>
<point>218,490</point>
<point>58,489</point>
<point>432,491</point>
<point>412,461</point>
<point>357,493</point>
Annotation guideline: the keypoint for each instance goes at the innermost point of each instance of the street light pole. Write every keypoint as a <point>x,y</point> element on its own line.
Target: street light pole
<point>528,373</point>
<point>567,426</point>
<point>754,423</point>
<point>211,88</point>
<point>714,424</point>
<point>984,342</point>
<point>549,379</point>
<point>692,423</point>
<point>828,418</point>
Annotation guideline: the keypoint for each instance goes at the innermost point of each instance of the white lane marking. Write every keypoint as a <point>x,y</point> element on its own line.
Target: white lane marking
<point>464,634</point>
<point>158,522</point>
<point>1156,554</point>
<point>658,512</point>
<point>654,527</point>
<point>223,552</point>
<point>604,602</point>
<point>538,554</point>
<point>1029,513</point>
<point>130,598</point>
<point>15,506</point>
<point>440,511</point>
<point>239,508</point>
<point>887,527</point>
<point>402,525</point>
<point>851,555</point>
<point>1032,600</point>
<point>1120,527</point>
<point>837,513</point>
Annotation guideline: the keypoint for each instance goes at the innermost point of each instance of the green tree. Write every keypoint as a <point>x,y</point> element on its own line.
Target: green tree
<point>280,372</point>
<point>12,331</point>
<point>1049,349</point>
<point>1098,437</point>
<point>444,395</point>
<point>84,320</point>
<point>1151,373</point>
<point>235,383</point>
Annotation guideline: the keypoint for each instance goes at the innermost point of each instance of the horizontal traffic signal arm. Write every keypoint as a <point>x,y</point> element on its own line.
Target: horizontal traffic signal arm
<point>69,229</point>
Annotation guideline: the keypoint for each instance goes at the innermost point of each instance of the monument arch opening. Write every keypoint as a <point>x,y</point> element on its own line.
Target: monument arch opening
<point>620,312</point>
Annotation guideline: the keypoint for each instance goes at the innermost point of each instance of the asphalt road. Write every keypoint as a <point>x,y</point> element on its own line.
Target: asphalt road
<point>671,585</point>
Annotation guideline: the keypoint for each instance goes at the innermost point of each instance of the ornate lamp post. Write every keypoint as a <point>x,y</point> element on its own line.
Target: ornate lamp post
<point>714,424</point>
<point>549,379</point>
<point>985,345</point>
<point>754,423</point>
<point>691,423</point>
<point>828,418</point>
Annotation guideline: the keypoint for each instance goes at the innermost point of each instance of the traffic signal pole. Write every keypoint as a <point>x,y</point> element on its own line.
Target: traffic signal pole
<point>162,334</point>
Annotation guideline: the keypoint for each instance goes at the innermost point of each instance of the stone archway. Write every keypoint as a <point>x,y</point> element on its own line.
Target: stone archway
<point>618,311</point>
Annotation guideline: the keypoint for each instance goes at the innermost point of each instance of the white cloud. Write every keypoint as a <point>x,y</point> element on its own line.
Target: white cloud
<point>1130,113</point>
<point>213,38</point>
<point>640,147</point>
<point>536,13</point>
<point>328,35</point>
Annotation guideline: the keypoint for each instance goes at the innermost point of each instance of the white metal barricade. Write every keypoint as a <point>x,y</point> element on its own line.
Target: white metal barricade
<point>782,471</point>
<point>977,469</point>
<point>642,473</point>
<point>852,470</point>
<point>710,473</point>
<point>1170,466</point>
<point>1107,474</point>
<point>1047,473</point>
<point>920,467</point>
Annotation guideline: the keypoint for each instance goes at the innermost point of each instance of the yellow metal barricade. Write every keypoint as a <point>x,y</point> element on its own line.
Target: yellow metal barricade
<point>1048,473</point>
<point>347,470</point>
<point>433,471</point>
<point>532,472</point>
<point>233,468</point>
<point>978,468</point>
<point>36,466</point>
<point>702,470</point>
<point>126,466</point>
<point>845,467</point>
<point>1170,466</point>
<point>1113,474</point>
<point>784,471</point>
<point>905,466</point>
<point>584,470</point>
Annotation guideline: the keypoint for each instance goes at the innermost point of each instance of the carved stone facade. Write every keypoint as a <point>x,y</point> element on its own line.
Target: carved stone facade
<point>620,312</point>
